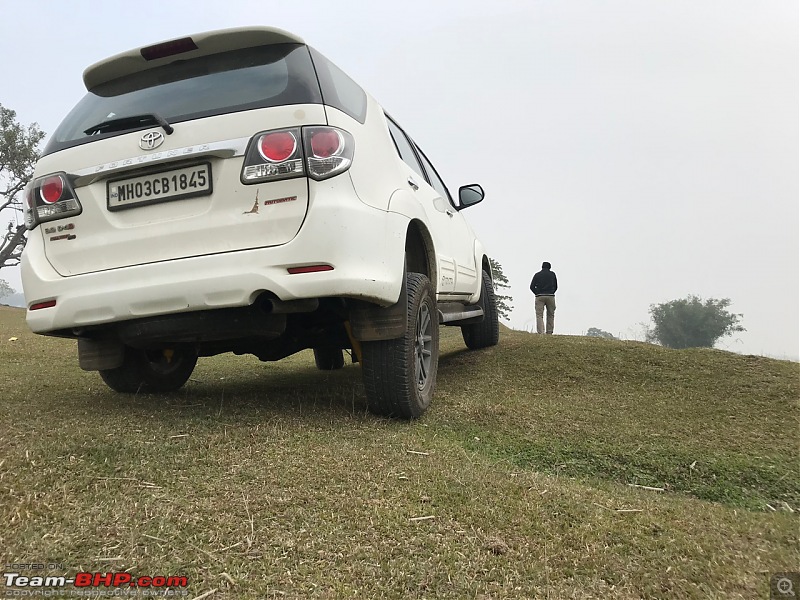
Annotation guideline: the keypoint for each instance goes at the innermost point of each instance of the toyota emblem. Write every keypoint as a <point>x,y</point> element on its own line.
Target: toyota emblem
<point>151,140</point>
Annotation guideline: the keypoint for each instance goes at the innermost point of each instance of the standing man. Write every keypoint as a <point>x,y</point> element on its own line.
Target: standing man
<point>544,286</point>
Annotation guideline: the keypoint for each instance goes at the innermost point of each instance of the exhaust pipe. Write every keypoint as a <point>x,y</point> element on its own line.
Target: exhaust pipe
<point>275,306</point>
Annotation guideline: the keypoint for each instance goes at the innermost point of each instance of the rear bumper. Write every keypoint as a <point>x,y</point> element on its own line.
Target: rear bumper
<point>365,247</point>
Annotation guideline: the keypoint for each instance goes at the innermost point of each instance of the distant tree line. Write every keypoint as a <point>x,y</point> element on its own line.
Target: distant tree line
<point>596,332</point>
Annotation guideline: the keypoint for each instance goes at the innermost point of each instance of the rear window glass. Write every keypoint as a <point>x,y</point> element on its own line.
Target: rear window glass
<point>339,90</point>
<point>211,85</point>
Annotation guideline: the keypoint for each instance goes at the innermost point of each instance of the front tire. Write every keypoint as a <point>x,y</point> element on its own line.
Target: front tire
<point>487,332</point>
<point>400,374</point>
<point>148,371</point>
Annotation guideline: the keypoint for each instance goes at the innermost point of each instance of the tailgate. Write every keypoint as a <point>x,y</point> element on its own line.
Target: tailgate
<point>183,199</point>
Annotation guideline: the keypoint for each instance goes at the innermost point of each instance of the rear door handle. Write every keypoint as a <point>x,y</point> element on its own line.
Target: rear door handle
<point>413,184</point>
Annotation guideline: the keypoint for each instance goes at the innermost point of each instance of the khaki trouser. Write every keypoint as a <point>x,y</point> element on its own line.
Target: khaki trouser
<point>541,303</point>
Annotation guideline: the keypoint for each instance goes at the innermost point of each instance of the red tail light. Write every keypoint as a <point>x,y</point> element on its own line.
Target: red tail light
<point>273,155</point>
<point>276,155</point>
<point>325,143</point>
<point>50,198</point>
<point>277,147</point>
<point>51,189</point>
<point>329,151</point>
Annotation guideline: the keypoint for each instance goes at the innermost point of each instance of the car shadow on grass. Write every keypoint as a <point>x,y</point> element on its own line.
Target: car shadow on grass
<point>256,392</point>
<point>251,395</point>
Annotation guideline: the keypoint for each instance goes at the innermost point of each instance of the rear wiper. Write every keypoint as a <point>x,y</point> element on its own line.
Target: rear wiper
<point>124,123</point>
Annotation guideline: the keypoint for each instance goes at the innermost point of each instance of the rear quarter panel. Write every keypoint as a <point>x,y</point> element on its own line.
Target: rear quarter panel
<point>373,172</point>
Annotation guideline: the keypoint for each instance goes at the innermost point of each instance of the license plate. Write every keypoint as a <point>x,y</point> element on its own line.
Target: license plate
<point>162,186</point>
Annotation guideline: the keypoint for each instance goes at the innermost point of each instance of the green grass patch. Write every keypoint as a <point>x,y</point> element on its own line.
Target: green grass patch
<point>710,424</point>
<point>272,480</point>
<point>737,480</point>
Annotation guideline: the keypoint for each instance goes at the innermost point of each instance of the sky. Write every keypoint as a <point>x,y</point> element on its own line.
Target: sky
<point>648,149</point>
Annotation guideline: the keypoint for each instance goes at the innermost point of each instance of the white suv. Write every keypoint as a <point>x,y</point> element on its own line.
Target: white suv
<point>235,191</point>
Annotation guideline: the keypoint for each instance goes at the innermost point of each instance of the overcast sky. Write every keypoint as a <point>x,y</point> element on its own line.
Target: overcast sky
<point>647,148</point>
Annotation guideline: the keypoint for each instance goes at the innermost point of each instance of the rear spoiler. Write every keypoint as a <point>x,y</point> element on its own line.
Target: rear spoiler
<point>201,44</point>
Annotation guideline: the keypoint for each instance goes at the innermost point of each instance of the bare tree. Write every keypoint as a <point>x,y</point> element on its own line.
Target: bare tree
<point>5,289</point>
<point>19,151</point>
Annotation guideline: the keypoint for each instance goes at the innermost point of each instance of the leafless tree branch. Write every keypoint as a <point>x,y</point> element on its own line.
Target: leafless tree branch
<point>19,151</point>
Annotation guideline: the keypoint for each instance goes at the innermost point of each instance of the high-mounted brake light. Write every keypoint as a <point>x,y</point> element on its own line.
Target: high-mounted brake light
<point>50,198</point>
<point>170,48</point>
<point>278,154</point>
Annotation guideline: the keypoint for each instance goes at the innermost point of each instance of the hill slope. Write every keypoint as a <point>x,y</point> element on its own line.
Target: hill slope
<point>517,484</point>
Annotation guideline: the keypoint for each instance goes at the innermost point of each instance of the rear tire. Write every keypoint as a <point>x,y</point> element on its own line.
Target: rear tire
<point>150,371</point>
<point>328,359</point>
<point>400,374</point>
<point>487,332</point>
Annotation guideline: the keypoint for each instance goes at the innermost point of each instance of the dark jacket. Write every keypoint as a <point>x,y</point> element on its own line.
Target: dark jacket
<point>544,283</point>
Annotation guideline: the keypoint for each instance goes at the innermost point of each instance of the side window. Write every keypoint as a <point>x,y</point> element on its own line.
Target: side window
<point>338,90</point>
<point>404,148</point>
<point>434,178</point>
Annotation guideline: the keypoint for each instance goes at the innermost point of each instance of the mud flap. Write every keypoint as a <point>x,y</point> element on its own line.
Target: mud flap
<point>371,323</point>
<point>100,355</point>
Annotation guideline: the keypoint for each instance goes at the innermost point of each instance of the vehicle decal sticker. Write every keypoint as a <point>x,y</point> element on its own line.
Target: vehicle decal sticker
<point>280,200</point>
<point>253,210</point>
<point>59,229</point>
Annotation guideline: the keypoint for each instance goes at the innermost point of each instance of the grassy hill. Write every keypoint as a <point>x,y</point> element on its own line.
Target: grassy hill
<point>528,478</point>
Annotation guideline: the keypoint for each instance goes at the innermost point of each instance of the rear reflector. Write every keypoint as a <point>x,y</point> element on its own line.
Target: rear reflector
<point>309,269</point>
<point>170,48</point>
<point>45,304</point>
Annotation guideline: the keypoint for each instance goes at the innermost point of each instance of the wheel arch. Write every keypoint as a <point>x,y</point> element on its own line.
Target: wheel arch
<point>420,251</point>
<point>487,266</point>
<point>371,322</point>
<point>482,259</point>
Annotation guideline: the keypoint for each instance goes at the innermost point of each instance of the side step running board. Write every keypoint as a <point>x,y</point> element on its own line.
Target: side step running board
<point>452,312</point>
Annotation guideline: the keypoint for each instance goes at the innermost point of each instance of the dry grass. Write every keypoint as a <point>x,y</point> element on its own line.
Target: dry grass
<point>272,481</point>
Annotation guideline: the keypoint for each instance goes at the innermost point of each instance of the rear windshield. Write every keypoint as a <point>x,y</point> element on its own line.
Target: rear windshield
<point>189,89</point>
